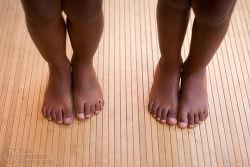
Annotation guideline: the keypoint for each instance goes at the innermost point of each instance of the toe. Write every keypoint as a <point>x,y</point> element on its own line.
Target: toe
<point>92,109</point>
<point>154,110</point>
<point>48,116</point>
<point>44,111</point>
<point>182,119</point>
<point>67,116</point>
<point>150,106</point>
<point>158,113</point>
<point>172,117</point>
<point>196,119</point>
<point>87,110</point>
<point>79,112</point>
<point>101,102</point>
<point>53,115</point>
<point>190,120</point>
<point>59,119</point>
<point>97,108</point>
<point>164,115</point>
<point>205,112</point>
<point>201,116</point>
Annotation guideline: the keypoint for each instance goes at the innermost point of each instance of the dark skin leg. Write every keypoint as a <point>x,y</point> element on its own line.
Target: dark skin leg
<point>85,26</point>
<point>163,99</point>
<point>210,26</point>
<point>47,29</point>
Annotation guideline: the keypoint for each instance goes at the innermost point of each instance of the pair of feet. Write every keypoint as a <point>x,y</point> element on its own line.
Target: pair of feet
<point>164,104</point>
<point>87,95</point>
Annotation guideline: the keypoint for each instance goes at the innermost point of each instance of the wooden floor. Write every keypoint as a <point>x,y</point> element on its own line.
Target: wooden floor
<point>124,134</point>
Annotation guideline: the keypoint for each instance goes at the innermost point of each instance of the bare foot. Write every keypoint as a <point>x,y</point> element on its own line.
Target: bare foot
<point>193,107</point>
<point>57,104</point>
<point>88,99</point>
<point>163,98</point>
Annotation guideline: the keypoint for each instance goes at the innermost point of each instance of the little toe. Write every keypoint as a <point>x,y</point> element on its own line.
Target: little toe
<point>87,110</point>
<point>164,115</point>
<point>190,120</point>
<point>59,118</point>
<point>44,111</point>
<point>158,113</point>
<point>201,116</point>
<point>150,106</point>
<point>205,112</point>
<point>101,102</point>
<point>67,116</point>
<point>154,110</point>
<point>182,119</point>
<point>196,119</point>
<point>172,117</point>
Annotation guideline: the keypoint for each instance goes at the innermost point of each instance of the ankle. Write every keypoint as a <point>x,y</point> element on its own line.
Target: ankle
<point>173,64</point>
<point>189,71</point>
<point>60,67</point>
<point>82,61</point>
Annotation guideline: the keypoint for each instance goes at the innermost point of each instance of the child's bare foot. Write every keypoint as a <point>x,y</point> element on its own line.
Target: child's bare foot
<point>193,107</point>
<point>163,98</point>
<point>57,104</point>
<point>88,99</point>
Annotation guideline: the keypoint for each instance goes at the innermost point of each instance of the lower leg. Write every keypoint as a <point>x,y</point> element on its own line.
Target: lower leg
<point>208,32</point>
<point>47,30</point>
<point>85,29</point>
<point>172,22</point>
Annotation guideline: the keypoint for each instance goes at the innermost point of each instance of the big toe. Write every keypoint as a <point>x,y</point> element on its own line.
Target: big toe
<point>182,119</point>
<point>172,117</point>
<point>79,112</point>
<point>67,116</point>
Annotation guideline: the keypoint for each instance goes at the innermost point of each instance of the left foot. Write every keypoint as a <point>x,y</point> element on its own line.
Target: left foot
<point>193,107</point>
<point>88,98</point>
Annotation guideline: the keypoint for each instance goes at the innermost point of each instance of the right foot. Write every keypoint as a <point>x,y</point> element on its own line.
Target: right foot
<point>57,104</point>
<point>163,98</point>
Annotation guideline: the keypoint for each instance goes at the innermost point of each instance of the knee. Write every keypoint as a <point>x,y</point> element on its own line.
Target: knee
<point>83,10</point>
<point>213,12</point>
<point>41,12</point>
<point>178,4</point>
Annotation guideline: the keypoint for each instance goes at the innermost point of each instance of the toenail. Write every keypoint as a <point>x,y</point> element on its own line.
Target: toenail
<point>173,120</point>
<point>200,122</point>
<point>67,120</point>
<point>154,115</point>
<point>59,122</point>
<point>183,124</point>
<point>163,121</point>
<point>191,126</point>
<point>81,116</point>
<point>195,124</point>
<point>88,116</point>
<point>158,119</point>
<point>96,112</point>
